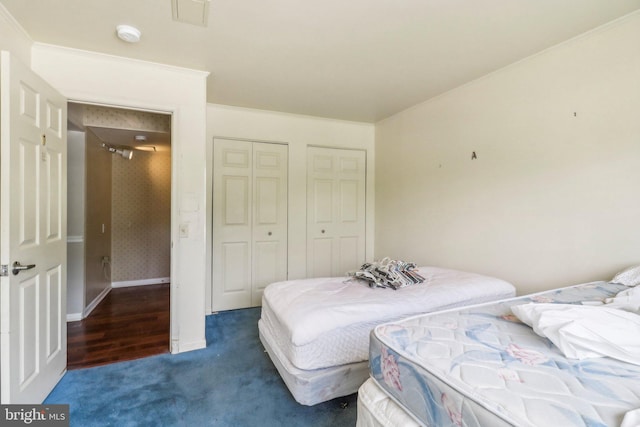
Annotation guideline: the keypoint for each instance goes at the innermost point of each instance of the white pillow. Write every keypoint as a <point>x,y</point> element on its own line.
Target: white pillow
<point>582,332</point>
<point>628,277</point>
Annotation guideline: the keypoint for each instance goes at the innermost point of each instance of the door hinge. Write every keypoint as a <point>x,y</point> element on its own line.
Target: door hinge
<point>4,270</point>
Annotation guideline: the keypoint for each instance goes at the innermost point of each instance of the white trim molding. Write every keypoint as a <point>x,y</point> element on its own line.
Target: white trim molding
<point>142,282</point>
<point>92,55</point>
<point>97,300</point>
<point>190,346</point>
<point>9,19</point>
<point>74,317</point>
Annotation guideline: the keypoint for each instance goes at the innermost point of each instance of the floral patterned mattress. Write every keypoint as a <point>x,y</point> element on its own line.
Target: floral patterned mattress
<point>480,366</point>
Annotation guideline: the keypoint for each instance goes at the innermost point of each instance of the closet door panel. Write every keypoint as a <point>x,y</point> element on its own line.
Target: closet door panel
<point>350,228</point>
<point>250,221</point>
<point>320,251</point>
<point>320,212</point>
<point>322,201</point>
<point>232,219</point>
<point>321,161</point>
<point>267,189</point>
<point>269,228</point>
<point>267,268</point>
<point>348,254</point>
<point>335,211</point>
<point>348,204</point>
<point>234,274</point>
<point>236,200</point>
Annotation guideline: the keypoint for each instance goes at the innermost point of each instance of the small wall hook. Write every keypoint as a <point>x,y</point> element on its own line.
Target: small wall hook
<point>473,155</point>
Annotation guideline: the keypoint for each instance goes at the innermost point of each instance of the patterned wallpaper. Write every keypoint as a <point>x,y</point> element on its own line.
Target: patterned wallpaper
<point>119,118</point>
<point>141,216</point>
<point>97,212</point>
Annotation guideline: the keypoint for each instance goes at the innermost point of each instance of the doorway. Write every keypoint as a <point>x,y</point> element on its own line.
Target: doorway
<point>119,232</point>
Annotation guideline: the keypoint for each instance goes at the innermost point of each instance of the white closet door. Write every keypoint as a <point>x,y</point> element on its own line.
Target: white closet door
<point>232,219</point>
<point>335,211</point>
<point>249,221</point>
<point>269,245</point>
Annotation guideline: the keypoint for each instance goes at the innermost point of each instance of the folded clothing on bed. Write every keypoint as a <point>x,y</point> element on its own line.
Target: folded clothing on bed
<point>388,273</point>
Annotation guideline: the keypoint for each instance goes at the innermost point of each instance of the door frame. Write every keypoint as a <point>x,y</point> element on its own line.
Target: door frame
<point>172,111</point>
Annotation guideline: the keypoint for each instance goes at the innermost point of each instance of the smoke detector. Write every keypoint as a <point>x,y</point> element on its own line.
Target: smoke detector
<point>128,33</point>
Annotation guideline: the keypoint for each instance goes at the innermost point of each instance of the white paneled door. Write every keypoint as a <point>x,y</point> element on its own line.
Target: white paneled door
<point>249,221</point>
<point>269,234</point>
<point>335,211</point>
<point>33,182</point>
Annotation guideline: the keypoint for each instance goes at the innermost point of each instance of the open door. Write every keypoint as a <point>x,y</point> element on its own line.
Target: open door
<point>33,184</point>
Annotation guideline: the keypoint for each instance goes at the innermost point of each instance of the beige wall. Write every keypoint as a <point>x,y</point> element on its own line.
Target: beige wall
<point>299,132</point>
<point>551,199</point>
<point>98,213</point>
<point>141,213</point>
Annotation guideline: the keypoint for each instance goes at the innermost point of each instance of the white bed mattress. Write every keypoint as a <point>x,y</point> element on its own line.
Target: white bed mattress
<point>377,409</point>
<point>316,331</point>
<point>310,387</point>
<point>481,366</point>
<point>319,323</point>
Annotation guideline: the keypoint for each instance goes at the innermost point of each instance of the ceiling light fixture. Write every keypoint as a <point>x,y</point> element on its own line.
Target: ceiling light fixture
<point>127,154</point>
<point>143,138</point>
<point>124,152</point>
<point>151,148</point>
<point>128,33</point>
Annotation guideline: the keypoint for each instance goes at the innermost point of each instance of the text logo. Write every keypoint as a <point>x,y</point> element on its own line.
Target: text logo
<point>34,415</point>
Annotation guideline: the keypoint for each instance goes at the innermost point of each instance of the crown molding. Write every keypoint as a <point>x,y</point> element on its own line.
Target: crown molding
<point>7,17</point>
<point>121,59</point>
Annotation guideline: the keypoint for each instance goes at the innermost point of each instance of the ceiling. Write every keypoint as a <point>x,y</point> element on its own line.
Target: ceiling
<point>360,60</point>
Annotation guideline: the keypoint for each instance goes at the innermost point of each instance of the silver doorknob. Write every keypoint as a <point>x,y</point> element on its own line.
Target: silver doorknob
<point>17,267</point>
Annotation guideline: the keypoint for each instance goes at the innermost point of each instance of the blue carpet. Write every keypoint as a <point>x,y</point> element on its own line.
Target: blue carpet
<point>231,382</point>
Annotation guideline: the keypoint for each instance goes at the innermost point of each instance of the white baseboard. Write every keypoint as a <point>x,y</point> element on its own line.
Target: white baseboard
<point>190,346</point>
<point>142,282</point>
<point>74,317</point>
<point>87,311</point>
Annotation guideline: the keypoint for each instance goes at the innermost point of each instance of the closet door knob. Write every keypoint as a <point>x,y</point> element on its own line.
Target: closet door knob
<point>322,231</point>
<point>269,233</point>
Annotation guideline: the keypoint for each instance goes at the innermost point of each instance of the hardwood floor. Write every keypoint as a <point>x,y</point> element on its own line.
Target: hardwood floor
<point>129,323</point>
